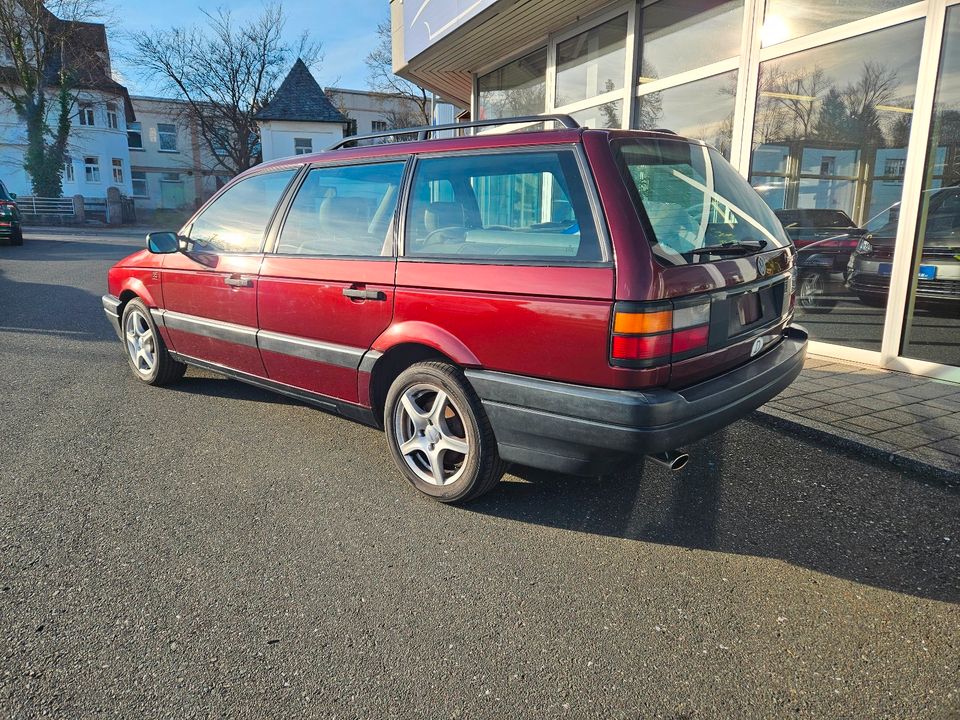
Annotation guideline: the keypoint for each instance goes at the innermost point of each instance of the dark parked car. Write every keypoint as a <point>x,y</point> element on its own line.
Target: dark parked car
<point>546,298</point>
<point>938,272</point>
<point>11,231</point>
<point>824,239</point>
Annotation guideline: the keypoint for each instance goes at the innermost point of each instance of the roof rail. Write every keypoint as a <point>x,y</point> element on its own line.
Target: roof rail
<point>423,132</point>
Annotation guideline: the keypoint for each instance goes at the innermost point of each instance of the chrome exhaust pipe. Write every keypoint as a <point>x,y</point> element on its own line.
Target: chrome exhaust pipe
<point>671,459</point>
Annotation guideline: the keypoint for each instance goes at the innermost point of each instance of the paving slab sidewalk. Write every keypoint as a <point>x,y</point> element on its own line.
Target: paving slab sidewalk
<point>909,420</point>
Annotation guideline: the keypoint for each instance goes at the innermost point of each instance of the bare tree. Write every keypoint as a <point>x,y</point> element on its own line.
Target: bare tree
<point>381,79</point>
<point>50,50</point>
<point>224,72</point>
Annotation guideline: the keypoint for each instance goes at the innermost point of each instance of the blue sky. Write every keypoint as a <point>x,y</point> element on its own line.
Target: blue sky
<point>347,29</point>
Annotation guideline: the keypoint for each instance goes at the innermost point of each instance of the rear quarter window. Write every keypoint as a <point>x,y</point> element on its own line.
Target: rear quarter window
<point>508,206</point>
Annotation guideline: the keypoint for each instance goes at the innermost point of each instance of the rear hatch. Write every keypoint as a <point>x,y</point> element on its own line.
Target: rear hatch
<point>723,266</point>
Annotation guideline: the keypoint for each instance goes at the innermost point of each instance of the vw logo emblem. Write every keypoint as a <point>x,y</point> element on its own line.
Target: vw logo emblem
<point>757,346</point>
<point>761,266</point>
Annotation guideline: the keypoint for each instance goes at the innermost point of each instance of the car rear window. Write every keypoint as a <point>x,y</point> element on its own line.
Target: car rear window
<point>694,198</point>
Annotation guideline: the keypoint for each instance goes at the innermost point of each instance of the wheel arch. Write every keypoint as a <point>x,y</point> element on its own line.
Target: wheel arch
<point>134,288</point>
<point>394,361</point>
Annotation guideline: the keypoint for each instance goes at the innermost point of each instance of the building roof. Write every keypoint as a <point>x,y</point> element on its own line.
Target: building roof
<point>300,98</point>
<point>84,56</point>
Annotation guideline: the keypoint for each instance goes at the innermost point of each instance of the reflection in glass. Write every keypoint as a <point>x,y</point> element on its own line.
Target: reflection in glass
<point>702,110</point>
<point>607,115</point>
<point>680,36</point>
<point>787,19</point>
<point>932,328</point>
<point>236,221</point>
<point>830,133</point>
<point>517,88</point>
<point>592,63</point>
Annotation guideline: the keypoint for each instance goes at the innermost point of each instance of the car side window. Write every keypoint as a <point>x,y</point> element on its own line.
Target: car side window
<point>345,211</point>
<point>517,206</point>
<point>236,221</point>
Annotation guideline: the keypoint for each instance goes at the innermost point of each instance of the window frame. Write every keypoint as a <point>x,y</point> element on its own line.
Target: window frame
<point>300,150</point>
<point>133,187</point>
<point>88,111</point>
<point>176,140</point>
<point>135,128</point>
<point>270,231</point>
<point>116,164</point>
<point>283,208</point>
<point>586,177</point>
<point>95,166</point>
<point>69,172</point>
<point>113,118</point>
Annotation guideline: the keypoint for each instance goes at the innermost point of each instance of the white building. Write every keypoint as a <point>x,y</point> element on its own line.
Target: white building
<point>172,168</point>
<point>370,112</point>
<point>97,156</point>
<point>300,119</point>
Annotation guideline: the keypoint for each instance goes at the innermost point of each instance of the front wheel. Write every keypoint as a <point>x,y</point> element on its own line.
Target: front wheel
<point>439,435</point>
<point>146,352</point>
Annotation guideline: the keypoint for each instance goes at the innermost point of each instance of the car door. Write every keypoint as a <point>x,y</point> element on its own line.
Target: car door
<point>326,288</point>
<point>209,289</point>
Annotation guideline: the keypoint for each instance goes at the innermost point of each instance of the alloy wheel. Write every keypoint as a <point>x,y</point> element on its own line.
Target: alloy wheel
<point>431,434</point>
<point>141,343</point>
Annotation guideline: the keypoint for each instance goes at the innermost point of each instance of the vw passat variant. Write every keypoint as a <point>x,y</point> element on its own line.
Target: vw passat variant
<point>565,299</point>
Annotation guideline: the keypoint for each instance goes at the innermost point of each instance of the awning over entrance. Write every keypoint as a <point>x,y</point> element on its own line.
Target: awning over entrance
<point>439,43</point>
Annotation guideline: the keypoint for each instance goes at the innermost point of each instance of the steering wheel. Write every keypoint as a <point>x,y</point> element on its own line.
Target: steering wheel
<point>451,228</point>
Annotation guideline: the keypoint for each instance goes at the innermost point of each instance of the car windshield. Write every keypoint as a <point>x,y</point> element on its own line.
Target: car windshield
<point>694,198</point>
<point>803,218</point>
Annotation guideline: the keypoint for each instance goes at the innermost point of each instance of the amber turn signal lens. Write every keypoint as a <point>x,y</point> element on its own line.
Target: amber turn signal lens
<point>642,323</point>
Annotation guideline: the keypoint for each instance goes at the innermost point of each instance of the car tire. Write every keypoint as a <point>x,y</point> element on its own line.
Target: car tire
<point>146,352</point>
<point>16,237</point>
<point>454,439</point>
<point>811,292</point>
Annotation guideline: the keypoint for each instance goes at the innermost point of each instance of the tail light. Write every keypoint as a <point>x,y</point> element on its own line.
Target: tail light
<point>653,334</point>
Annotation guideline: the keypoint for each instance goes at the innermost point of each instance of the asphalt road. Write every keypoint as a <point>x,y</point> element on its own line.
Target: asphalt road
<point>211,550</point>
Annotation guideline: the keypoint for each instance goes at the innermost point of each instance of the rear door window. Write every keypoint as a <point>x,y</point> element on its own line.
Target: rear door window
<point>694,198</point>
<point>346,211</point>
<point>508,206</point>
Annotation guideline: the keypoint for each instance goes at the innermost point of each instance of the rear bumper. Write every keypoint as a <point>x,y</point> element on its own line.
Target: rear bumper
<point>111,306</point>
<point>533,424</point>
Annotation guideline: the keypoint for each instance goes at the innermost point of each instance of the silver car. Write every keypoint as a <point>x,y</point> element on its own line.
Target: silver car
<point>938,273</point>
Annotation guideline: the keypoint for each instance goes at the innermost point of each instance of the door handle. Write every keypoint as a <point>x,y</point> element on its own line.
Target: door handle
<point>238,281</point>
<point>357,294</point>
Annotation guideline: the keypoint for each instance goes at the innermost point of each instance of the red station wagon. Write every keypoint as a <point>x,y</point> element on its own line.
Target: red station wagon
<point>565,299</point>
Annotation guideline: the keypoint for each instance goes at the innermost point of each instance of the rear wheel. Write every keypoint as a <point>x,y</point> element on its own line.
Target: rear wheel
<point>146,352</point>
<point>811,293</point>
<point>439,435</point>
<point>16,238</point>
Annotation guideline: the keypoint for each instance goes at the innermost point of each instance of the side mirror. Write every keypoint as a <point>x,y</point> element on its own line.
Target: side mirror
<point>163,243</point>
<point>13,196</point>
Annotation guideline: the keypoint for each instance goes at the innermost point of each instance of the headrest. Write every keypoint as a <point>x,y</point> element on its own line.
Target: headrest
<point>443,215</point>
<point>343,210</point>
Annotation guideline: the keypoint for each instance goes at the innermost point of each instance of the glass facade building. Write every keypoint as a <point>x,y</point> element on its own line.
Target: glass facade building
<point>841,115</point>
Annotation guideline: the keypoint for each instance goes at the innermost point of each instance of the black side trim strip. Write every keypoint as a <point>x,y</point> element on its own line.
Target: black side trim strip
<point>369,360</point>
<point>314,350</point>
<point>217,329</point>
<point>352,411</point>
